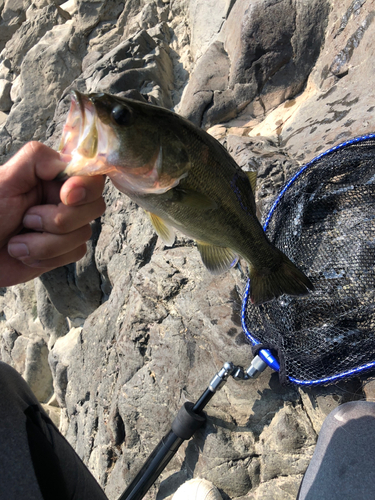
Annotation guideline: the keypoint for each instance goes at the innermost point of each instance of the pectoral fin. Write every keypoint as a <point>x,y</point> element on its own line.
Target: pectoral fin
<point>217,259</point>
<point>165,232</point>
<point>252,176</point>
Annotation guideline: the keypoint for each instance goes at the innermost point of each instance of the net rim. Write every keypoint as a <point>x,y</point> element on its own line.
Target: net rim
<point>266,354</point>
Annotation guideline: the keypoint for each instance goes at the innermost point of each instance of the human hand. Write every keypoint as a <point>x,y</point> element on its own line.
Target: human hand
<point>43,224</point>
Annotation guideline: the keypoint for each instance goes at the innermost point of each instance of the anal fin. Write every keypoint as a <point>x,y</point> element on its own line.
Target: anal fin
<point>217,259</point>
<point>165,232</point>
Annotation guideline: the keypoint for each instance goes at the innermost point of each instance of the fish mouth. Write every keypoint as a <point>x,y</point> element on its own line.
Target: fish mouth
<point>86,139</point>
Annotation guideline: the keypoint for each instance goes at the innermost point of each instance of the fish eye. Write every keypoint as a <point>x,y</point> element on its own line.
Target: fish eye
<point>122,115</point>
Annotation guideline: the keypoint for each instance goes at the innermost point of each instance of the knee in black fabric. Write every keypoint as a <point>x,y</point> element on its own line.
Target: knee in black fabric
<point>14,389</point>
<point>351,410</point>
<point>8,374</point>
<point>343,464</point>
<point>51,466</point>
<point>46,464</point>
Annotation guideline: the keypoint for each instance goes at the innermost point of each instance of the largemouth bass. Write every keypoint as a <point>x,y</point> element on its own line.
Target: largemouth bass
<point>184,179</point>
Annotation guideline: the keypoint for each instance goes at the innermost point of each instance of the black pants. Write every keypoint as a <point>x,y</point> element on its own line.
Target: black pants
<point>36,461</point>
<point>343,464</point>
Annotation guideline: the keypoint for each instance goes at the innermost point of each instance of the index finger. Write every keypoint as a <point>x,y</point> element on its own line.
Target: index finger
<point>32,163</point>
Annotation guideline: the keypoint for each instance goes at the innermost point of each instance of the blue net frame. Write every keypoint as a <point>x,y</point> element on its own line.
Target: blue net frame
<point>267,354</point>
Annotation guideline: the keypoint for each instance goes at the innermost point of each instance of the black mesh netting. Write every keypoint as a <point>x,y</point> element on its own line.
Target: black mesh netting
<point>324,221</point>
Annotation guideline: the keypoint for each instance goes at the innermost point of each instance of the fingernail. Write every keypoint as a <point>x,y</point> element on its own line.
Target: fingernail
<point>33,221</point>
<point>75,196</point>
<point>18,250</point>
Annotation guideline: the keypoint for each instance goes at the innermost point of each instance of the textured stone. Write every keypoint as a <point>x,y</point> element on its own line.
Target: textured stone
<point>318,402</point>
<point>271,55</point>
<point>292,440</point>
<point>18,357</point>
<point>3,118</point>
<point>5,101</point>
<point>14,9</point>
<point>53,413</point>
<point>70,6</point>
<point>138,63</point>
<point>38,23</point>
<point>47,69</point>
<point>12,16</point>
<point>59,361</point>
<point>74,290</point>
<point>283,488</point>
<point>37,371</point>
<point>333,106</point>
<point>210,75</point>
<point>135,329</point>
<point>15,91</point>
<point>89,13</point>
<point>206,20</point>
<point>54,324</point>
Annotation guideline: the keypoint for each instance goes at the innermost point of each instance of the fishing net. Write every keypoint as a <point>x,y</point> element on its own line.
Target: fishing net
<point>324,221</point>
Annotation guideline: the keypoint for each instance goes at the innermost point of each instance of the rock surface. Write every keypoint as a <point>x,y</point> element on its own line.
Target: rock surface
<point>121,339</point>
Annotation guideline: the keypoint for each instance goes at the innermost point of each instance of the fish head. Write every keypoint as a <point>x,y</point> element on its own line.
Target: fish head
<point>106,134</point>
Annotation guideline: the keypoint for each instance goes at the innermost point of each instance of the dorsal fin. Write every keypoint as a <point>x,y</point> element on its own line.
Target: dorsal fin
<point>252,176</point>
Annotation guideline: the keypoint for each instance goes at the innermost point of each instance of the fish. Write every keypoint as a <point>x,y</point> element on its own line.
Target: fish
<point>184,179</point>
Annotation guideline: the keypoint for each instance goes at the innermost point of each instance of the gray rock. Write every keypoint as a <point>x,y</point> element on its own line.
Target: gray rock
<point>74,290</point>
<point>6,33</point>
<point>210,76</point>
<point>138,63</point>
<point>40,4</point>
<point>14,10</point>
<point>47,69</point>
<point>90,13</point>
<point>37,371</point>
<point>3,118</point>
<point>5,72</point>
<point>206,20</point>
<point>336,76</point>
<point>271,55</point>
<point>54,324</point>
<point>12,16</point>
<point>292,440</point>
<point>5,101</point>
<point>15,91</point>
<point>18,358</point>
<point>135,329</point>
<point>272,165</point>
<point>59,362</point>
<point>9,337</point>
<point>38,23</point>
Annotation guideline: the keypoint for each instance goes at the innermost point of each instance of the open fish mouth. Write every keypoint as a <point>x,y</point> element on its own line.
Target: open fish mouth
<point>86,139</point>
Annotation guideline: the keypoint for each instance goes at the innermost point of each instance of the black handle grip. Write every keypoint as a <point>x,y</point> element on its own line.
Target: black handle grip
<point>183,427</point>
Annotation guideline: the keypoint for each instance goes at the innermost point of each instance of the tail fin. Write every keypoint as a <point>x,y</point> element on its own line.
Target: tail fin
<point>285,279</point>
